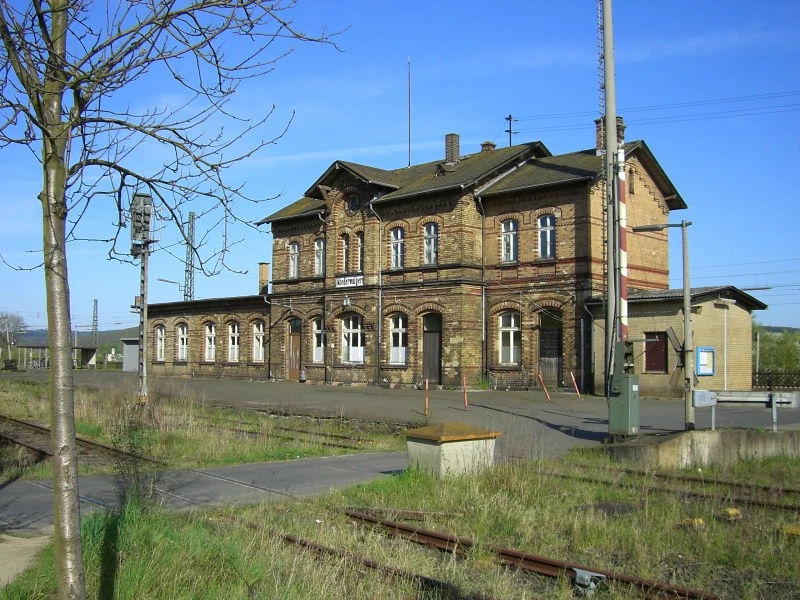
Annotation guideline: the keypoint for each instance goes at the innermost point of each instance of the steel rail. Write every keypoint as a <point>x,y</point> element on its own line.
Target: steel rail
<point>532,562</point>
<point>450,589</point>
<point>704,494</point>
<point>703,480</point>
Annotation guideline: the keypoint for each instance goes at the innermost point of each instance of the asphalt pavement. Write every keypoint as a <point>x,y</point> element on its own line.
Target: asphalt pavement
<point>530,424</point>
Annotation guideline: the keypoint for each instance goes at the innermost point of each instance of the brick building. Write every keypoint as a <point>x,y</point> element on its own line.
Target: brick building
<point>480,266</point>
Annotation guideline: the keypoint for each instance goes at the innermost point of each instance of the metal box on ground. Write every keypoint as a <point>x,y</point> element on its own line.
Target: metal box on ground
<point>623,407</point>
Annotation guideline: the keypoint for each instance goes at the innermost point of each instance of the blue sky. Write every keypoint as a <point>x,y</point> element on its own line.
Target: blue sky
<point>712,87</point>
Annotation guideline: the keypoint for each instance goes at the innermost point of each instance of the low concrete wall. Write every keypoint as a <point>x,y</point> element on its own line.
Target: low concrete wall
<point>700,448</point>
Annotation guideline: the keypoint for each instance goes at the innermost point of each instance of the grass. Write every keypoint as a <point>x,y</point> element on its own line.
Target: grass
<point>182,431</point>
<point>238,553</point>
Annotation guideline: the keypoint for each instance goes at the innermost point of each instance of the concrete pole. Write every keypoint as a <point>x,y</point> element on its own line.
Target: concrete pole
<point>610,126</point>
<point>688,349</point>
<point>142,392</point>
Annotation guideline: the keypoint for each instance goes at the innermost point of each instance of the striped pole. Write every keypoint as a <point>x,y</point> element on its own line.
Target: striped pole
<point>623,248</point>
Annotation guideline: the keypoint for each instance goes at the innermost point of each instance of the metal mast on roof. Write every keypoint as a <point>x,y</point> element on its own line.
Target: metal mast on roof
<point>409,111</point>
<point>510,130</point>
<point>188,286</point>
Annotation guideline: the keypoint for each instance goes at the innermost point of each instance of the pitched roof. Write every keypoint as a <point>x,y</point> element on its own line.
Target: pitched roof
<point>717,291</point>
<point>519,167</point>
<point>585,165</point>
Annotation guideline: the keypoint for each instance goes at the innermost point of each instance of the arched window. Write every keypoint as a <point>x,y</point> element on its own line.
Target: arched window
<point>211,342</point>
<point>233,341</point>
<point>510,338</point>
<point>352,339</point>
<point>294,260</point>
<point>318,331</point>
<point>510,229</point>
<point>398,248</point>
<point>360,241</point>
<point>398,333</point>
<point>258,341</point>
<point>161,336</point>
<point>345,253</point>
<point>183,342</point>
<point>547,236</point>
<point>431,244</point>
<point>319,257</point>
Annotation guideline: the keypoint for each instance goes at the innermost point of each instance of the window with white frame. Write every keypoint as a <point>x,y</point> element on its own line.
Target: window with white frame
<point>233,341</point>
<point>259,340</point>
<point>161,336</point>
<point>211,342</point>
<point>510,338</point>
<point>398,248</point>
<point>510,229</point>
<point>431,244</point>
<point>345,253</point>
<point>360,250</point>
<point>294,259</point>
<point>319,257</point>
<point>183,342</point>
<point>547,236</point>
<point>352,339</point>
<point>318,331</point>
<point>398,334</point>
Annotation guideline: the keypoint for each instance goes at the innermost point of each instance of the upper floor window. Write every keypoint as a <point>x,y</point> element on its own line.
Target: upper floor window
<point>345,253</point>
<point>259,341</point>
<point>360,250</point>
<point>398,248</point>
<point>431,244</point>
<point>319,257</point>
<point>211,342</point>
<point>352,339</point>
<point>161,335</point>
<point>547,236</point>
<point>318,331</point>
<point>510,338</point>
<point>398,333</point>
<point>233,342</point>
<point>294,259</point>
<point>510,229</point>
<point>183,342</point>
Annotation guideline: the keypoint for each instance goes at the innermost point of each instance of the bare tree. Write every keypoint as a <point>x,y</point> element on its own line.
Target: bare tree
<point>67,70</point>
<point>11,323</point>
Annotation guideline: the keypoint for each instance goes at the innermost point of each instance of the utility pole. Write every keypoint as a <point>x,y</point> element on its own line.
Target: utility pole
<point>509,131</point>
<point>141,237</point>
<point>94,325</point>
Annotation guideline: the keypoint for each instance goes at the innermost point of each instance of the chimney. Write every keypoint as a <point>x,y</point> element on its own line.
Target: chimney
<point>488,146</point>
<point>263,278</point>
<point>451,148</point>
<point>600,134</point>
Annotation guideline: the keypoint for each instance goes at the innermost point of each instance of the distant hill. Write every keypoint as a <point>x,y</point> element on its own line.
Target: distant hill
<point>105,339</point>
<point>779,329</point>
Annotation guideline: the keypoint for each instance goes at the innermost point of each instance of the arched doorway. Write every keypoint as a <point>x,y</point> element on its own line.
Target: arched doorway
<point>550,346</point>
<point>293,349</point>
<point>432,348</point>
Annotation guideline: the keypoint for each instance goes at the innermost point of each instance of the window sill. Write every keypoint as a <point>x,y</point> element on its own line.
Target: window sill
<point>354,365</point>
<point>505,368</point>
<point>208,362</point>
<point>394,366</point>
<point>255,363</point>
<point>508,263</point>
<point>181,362</point>
<point>540,261</point>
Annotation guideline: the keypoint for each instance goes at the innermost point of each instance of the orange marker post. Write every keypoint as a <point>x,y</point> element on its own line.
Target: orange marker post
<point>544,387</point>
<point>464,385</point>
<point>577,391</point>
<point>426,397</point>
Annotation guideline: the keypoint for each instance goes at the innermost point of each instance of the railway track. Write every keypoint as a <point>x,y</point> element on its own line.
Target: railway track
<point>582,576</point>
<point>36,438</point>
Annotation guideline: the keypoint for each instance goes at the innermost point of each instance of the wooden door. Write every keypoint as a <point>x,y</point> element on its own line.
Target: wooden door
<point>293,350</point>
<point>550,349</point>
<point>432,348</point>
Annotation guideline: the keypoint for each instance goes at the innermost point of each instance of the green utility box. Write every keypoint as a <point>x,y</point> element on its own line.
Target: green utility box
<point>623,406</point>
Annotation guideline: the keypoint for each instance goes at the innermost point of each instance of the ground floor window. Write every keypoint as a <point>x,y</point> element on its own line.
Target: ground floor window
<point>161,335</point>
<point>233,342</point>
<point>510,339</point>
<point>211,342</point>
<point>398,333</point>
<point>183,342</point>
<point>258,341</point>
<point>318,331</point>
<point>655,352</point>
<point>352,339</point>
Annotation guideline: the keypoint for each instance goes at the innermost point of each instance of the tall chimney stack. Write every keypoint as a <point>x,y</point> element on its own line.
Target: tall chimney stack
<point>600,134</point>
<point>263,278</point>
<point>451,148</point>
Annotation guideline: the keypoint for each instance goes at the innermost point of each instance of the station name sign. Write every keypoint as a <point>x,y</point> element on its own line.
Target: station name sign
<point>349,281</point>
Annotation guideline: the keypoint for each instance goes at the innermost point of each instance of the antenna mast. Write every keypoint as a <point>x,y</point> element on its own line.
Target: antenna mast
<point>409,111</point>
<point>94,325</point>
<point>509,131</point>
<point>188,285</point>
